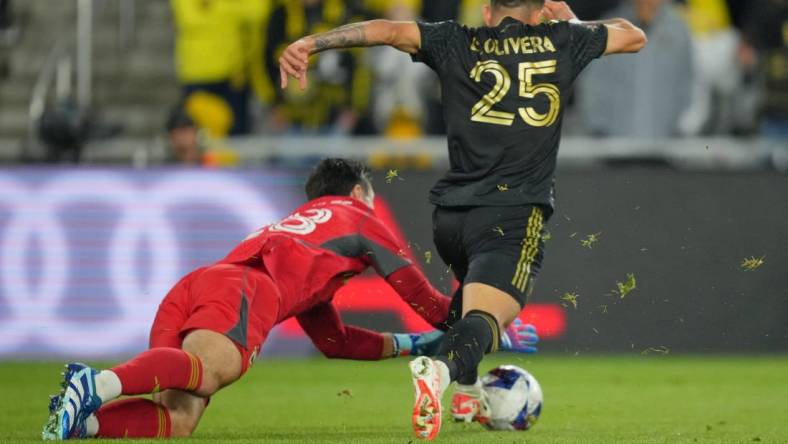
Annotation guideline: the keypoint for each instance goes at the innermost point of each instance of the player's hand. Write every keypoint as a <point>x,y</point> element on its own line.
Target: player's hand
<point>519,338</point>
<point>294,62</point>
<point>417,344</point>
<point>557,11</point>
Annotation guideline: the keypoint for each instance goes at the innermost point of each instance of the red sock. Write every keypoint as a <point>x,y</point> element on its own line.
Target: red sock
<point>133,418</point>
<point>160,369</point>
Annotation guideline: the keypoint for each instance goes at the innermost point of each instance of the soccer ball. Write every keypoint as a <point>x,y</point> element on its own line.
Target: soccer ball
<point>515,398</point>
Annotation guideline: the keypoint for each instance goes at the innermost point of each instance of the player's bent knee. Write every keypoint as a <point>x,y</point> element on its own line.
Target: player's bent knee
<point>481,297</point>
<point>212,381</point>
<point>220,358</point>
<point>185,411</point>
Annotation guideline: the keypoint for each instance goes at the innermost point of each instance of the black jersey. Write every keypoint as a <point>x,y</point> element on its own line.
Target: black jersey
<point>504,92</point>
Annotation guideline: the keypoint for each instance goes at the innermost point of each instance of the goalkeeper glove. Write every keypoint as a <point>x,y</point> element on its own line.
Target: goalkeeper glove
<point>417,344</point>
<point>518,338</point>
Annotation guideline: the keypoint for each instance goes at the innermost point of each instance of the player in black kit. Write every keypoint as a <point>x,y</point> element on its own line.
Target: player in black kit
<point>504,89</point>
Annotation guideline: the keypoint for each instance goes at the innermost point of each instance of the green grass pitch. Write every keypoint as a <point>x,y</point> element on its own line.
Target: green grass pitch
<point>616,399</point>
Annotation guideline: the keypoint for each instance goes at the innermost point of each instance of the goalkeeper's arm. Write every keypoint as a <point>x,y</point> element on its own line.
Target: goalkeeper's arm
<point>518,338</point>
<point>339,341</point>
<point>336,340</point>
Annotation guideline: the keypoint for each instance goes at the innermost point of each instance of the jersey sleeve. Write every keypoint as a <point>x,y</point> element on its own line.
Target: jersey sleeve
<point>338,341</point>
<point>380,248</point>
<point>586,43</point>
<point>413,287</point>
<point>404,277</point>
<point>437,43</point>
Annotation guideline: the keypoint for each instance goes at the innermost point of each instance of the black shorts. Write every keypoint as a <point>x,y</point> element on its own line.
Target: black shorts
<point>498,246</point>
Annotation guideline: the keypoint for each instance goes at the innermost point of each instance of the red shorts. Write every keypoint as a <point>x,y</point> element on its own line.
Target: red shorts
<point>238,301</point>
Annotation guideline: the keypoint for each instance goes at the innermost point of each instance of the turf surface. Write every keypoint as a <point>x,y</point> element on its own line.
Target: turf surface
<point>651,399</point>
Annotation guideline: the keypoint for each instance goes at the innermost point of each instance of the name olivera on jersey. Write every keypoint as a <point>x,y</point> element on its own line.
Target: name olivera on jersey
<point>503,89</point>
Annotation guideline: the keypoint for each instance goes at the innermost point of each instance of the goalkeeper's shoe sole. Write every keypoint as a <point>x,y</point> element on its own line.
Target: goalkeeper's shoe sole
<point>77,400</point>
<point>426,417</point>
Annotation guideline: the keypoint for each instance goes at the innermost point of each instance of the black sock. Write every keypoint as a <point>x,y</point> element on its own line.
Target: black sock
<point>455,308</point>
<point>466,343</point>
<point>469,377</point>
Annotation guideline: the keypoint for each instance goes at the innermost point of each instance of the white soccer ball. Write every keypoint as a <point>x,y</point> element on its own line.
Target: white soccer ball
<point>515,398</point>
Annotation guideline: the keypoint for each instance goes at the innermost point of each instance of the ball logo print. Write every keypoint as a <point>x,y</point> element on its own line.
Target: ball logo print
<point>40,260</point>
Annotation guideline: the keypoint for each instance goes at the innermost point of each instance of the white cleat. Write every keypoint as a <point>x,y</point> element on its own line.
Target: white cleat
<point>427,408</point>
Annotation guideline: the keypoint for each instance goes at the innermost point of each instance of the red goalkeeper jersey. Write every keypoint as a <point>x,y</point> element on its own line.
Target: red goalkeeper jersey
<point>311,253</point>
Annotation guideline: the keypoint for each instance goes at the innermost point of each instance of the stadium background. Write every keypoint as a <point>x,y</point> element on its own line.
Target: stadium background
<point>88,253</point>
<point>140,139</point>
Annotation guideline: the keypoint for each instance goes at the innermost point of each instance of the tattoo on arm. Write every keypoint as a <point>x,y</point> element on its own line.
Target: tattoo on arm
<point>610,22</point>
<point>348,36</point>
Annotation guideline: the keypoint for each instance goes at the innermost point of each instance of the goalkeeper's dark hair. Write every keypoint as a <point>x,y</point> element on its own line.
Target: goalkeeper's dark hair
<point>337,177</point>
<point>517,3</point>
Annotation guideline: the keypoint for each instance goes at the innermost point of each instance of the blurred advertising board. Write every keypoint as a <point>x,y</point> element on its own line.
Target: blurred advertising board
<point>86,255</point>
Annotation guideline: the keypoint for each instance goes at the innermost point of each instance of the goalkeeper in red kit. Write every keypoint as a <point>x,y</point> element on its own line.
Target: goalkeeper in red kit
<point>211,325</point>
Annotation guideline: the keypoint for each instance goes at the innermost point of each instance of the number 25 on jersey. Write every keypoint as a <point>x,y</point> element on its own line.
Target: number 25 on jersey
<point>483,110</point>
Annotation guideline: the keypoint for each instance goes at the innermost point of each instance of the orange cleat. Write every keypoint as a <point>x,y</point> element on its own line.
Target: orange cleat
<point>427,409</point>
<point>468,408</point>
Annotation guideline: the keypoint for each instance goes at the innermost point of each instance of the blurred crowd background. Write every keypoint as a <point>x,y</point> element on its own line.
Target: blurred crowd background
<point>712,67</point>
<point>209,71</point>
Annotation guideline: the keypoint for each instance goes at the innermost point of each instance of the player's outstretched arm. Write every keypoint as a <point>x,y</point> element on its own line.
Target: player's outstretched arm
<point>415,290</point>
<point>336,340</point>
<point>294,61</point>
<point>517,338</point>
<point>622,35</point>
